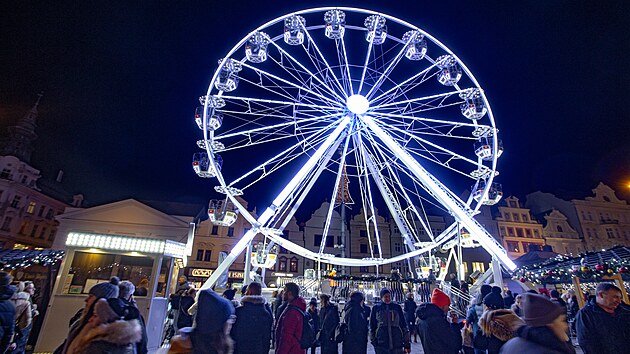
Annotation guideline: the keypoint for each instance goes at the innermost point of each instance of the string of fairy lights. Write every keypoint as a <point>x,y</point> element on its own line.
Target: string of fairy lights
<point>12,261</point>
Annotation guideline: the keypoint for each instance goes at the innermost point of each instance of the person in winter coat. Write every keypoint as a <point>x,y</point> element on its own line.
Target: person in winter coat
<point>7,311</point>
<point>104,290</point>
<point>289,324</point>
<point>355,341</point>
<point>544,331</point>
<point>474,314</point>
<point>126,289</point>
<point>388,329</point>
<point>410,316</point>
<point>556,298</point>
<point>113,328</point>
<point>603,325</point>
<point>314,318</point>
<point>252,329</point>
<point>439,330</point>
<point>516,306</point>
<point>185,319</point>
<point>508,299</point>
<point>329,319</point>
<point>23,321</point>
<point>497,324</point>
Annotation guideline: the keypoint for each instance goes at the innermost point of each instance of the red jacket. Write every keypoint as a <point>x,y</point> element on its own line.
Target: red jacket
<point>289,329</point>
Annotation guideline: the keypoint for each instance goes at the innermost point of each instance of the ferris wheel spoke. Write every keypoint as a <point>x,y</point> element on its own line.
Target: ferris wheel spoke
<point>405,86</point>
<point>365,66</point>
<point>430,120</point>
<point>311,74</point>
<point>419,99</point>
<point>294,85</point>
<point>286,103</point>
<point>323,58</point>
<point>265,128</point>
<point>389,69</point>
<point>343,54</point>
<point>311,140</point>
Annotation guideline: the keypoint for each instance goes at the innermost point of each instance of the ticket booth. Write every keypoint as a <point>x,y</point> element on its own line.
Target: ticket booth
<point>151,264</point>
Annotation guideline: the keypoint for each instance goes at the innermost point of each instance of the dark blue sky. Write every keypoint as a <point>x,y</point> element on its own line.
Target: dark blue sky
<point>121,81</point>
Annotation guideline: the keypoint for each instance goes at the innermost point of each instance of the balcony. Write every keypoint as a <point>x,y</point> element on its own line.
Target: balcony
<point>608,221</point>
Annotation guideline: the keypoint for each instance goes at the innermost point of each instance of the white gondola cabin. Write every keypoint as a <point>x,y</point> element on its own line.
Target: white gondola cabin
<point>335,24</point>
<point>294,30</point>
<point>221,212</point>
<point>376,29</point>
<point>450,72</point>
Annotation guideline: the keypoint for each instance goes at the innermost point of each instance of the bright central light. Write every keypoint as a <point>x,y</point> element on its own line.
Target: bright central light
<point>357,104</point>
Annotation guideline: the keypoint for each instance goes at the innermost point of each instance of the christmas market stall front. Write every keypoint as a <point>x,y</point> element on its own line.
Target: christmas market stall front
<point>152,264</point>
<point>582,272</point>
<point>39,267</point>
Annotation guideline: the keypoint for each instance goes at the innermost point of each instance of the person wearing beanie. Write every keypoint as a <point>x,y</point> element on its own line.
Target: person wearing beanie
<point>555,298</point>
<point>388,317</point>
<point>544,330</point>
<point>211,333</point>
<point>113,328</point>
<point>356,317</point>
<point>495,324</point>
<point>7,311</point>
<point>104,290</point>
<point>603,325</point>
<point>494,300</point>
<point>230,294</point>
<point>438,329</point>
<point>508,299</point>
<point>125,293</point>
<point>474,314</point>
<point>409,309</point>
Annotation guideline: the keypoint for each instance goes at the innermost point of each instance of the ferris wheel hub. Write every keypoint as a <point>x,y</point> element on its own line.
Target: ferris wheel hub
<point>357,104</point>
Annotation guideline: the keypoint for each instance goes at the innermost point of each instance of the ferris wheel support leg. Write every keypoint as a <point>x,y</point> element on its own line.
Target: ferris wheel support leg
<point>280,200</point>
<point>496,272</point>
<point>443,195</point>
<point>248,260</point>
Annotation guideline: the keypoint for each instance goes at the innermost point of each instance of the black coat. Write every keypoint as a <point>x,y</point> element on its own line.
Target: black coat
<point>329,317</point>
<point>386,317</point>
<point>252,330</point>
<point>410,311</point>
<point>142,345</point>
<point>436,334</point>
<point>357,319</point>
<point>184,319</point>
<point>508,301</point>
<point>536,340</point>
<point>600,332</point>
<point>7,316</point>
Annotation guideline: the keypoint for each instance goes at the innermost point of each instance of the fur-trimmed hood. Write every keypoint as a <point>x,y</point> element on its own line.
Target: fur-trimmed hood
<point>253,299</point>
<point>500,323</point>
<point>119,333</point>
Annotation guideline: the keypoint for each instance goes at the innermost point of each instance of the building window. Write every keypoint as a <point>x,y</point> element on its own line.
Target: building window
<point>31,207</point>
<point>5,174</point>
<point>512,246</point>
<point>519,232</point>
<point>339,240</point>
<point>16,201</point>
<point>503,233</point>
<point>510,231</point>
<point>34,230</point>
<point>42,232</point>
<point>51,235</point>
<point>536,234</point>
<point>363,248</point>
<point>364,269</point>
<point>583,215</point>
<point>609,232</point>
<point>478,266</point>
<point>293,265</point>
<point>230,231</point>
<point>207,256</point>
<point>396,247</point>
<point>282,264</point>
<point>507,216</point>
<point>590,216</point>
<point>49,214</point>
<point>41,211</point>
<point>528,233</point>
<point>375,249</point>
<point>317,240</point>
<point>24,179</point>
<point>285,234</point>
<point>215,230</point>
<point>559,228</point>
<point>199,255</point>
<point>330,241</point>
<point>363,233</point>
<point>23,227</point>
<point>516,217</point>
<point>6,225</point>
<point>525,217</point>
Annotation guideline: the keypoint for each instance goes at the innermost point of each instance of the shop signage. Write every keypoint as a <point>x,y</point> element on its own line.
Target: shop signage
<point>205,273</point>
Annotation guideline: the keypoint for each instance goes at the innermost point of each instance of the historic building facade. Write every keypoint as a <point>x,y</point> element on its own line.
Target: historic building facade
<point>517,228</point>
<point>559,234</point>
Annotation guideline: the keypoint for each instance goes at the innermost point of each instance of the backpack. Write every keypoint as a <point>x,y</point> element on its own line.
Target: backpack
<point>308,332</point>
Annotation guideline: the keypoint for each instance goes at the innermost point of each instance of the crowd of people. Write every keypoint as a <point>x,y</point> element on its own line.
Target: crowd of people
<point>495,322</point>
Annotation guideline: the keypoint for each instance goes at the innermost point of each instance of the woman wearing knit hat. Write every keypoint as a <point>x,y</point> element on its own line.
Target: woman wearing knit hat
<point>439,330</point>
<point>544,331</point>
<point>497,325</point>
<point>104,290</point>
<point>113,328</point>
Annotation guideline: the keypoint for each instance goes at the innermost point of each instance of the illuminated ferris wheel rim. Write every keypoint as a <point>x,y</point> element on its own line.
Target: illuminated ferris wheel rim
<point>356,104</point>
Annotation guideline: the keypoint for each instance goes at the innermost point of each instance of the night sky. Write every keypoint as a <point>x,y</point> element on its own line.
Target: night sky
<point>122,79</point>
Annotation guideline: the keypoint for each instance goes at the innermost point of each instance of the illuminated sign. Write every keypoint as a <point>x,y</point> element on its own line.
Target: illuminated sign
<point>205,273</point>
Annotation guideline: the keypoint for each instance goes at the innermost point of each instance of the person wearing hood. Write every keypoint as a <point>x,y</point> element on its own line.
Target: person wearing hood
<point>439,330</point>
<point>126,289</point>
<point>7,311</point>
<point>289,323</point>
<point>603,325</point>
<point>388,329</point>
<point>474,314</point>
<point>497,324</point>
<point>113,328</point>
<point>544,330</point>
<point>410,316</point>
<point>313,319</point>
<point>355,341</point>
<point>104,290</point>
<point>252,329</point>
<point>230,294</point>
<point>329,319</point>
<point>23,321</point>
<point>517,305</point>
<point>508,299</point>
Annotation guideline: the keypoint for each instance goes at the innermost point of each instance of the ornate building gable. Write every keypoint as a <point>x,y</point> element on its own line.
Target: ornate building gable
<point>558,226</point>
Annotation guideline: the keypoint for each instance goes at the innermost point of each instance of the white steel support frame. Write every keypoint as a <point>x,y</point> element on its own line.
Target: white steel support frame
<point>277,203</point>
<point>443,195</point>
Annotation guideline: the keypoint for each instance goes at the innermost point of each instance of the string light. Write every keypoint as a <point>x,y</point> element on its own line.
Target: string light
<point>19,259</point>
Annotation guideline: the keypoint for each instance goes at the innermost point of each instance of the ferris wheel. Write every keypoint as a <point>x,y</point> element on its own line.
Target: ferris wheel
<point>356,107</point>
